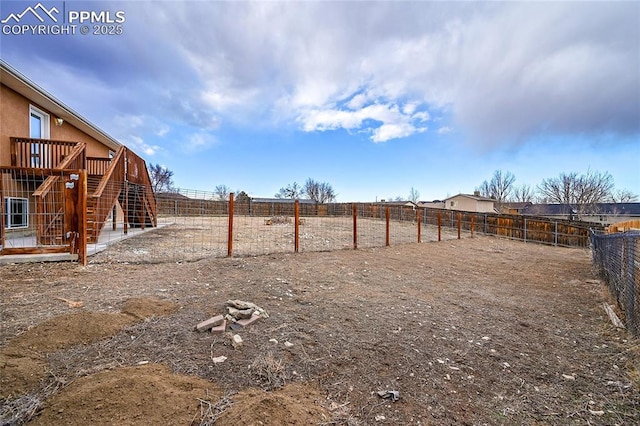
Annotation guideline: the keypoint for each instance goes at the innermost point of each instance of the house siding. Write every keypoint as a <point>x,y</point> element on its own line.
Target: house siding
<point>14,115</point>
<point>469,204</point>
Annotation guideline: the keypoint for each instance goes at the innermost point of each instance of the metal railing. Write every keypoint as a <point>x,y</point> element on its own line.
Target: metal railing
<point>616,258</point>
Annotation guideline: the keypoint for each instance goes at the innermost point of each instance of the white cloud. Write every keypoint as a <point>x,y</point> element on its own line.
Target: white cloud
<point>383,121</point>
<point>444,130</point>
<point>502,71</point>
<point>198,142</point>
<point>137,144</point>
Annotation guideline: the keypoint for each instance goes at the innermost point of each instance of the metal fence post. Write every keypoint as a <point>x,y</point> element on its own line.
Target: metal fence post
<point>387,214</point>
<point>230,233</point>
<point>354,212</point>
<point>296,226</point>
<point>555,234</point>
<point>439,226</point>
<point>525,230</point>
<point>419,223</point>
<point>631,292</point>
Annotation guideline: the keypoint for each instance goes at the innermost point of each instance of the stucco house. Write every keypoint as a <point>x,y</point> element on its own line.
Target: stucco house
<point>46,150</point>
<point>470,203</point>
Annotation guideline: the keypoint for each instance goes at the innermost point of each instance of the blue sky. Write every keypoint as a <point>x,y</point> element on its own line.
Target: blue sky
<point>373,97</point>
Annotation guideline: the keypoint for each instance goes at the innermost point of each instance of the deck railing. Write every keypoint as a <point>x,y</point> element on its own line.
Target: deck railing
<point>97,165</point>
<point>39,153</point>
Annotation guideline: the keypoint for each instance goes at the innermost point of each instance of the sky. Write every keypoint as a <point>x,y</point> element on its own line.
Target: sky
<point>374,98</point>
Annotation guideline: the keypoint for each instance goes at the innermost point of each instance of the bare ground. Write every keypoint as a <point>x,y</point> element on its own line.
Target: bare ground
<point>473,331</point>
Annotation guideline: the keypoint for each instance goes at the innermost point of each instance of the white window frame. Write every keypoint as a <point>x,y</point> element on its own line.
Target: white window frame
<point>45,129</point>
<point>8,215</point>
<point>45,121</point>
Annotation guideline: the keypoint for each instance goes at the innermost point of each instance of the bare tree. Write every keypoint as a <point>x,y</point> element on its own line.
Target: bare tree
<point>623,196</point>
<point>414,195</point>
<point>499,187</point>
<point>578,190</point>
<point>161,178</point>
<point>522,194</point>
<point>292,191</point>
<point>320,192</point>
<point>222,192</point>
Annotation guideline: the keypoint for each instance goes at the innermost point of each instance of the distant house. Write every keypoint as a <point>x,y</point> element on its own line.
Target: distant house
<point>435,204</point>
<point>603,213</point>
<point>514,208</point>
<point>470,203</point>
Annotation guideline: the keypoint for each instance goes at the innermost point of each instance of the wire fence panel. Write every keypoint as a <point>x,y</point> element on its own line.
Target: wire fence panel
<point>617,261</point>
<point>190,225</point>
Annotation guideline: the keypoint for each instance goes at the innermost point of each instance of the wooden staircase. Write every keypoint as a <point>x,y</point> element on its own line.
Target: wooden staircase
<point>137,202</point>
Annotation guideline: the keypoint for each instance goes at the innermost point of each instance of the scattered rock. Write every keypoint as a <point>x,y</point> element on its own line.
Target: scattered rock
<point>569,376</point>
<point>219,359</point>
<point>274,341</point>
<point>236,341</point>
<point>210,323</point>
<point>288,344</point>
<point>240,313</point>
<point>219,329</point>
<point>392,394</point>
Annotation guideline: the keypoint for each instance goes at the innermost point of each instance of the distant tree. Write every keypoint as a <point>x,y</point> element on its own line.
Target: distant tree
<point>320,192</point>
<point>222,192</point>
<point>414,195</point>
<point>623,196</point>
<point>161,178</point>
<point>577,190</point>
<point>499,187</point>
<point>522,194</point>
<point>292,191</point>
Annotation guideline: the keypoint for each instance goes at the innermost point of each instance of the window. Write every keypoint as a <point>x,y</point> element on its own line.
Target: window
<point>38,129</point>
<point>38,123</point>
<point>452,204</point>
<point>17,212</point>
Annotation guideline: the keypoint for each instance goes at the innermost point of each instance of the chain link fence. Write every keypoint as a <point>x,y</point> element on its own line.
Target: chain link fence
<point>616,258</point>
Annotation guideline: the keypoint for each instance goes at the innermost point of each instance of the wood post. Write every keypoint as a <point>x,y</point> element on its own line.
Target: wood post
<point>126,208</point>
<point>459,224</point>
<point>354,213</point>
<point>439,226</point>
<point>75,214</point>
<point>230,233</point>
<point>473,223</point>
<point>2,212</point>
<point>296,227</point>
<point>419,224</point>
<point>82,218</point>
<point>387,213</point>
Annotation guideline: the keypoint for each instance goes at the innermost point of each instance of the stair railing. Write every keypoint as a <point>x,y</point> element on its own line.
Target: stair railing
<point>107,192</point>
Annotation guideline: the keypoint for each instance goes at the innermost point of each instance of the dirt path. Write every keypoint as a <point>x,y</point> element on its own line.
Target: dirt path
<point>472,331</point>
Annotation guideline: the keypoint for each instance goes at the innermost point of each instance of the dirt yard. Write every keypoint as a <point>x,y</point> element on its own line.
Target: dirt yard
<point>473,331</point>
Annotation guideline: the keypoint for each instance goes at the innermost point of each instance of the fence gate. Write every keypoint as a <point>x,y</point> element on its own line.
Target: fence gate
<point>43,211</point>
